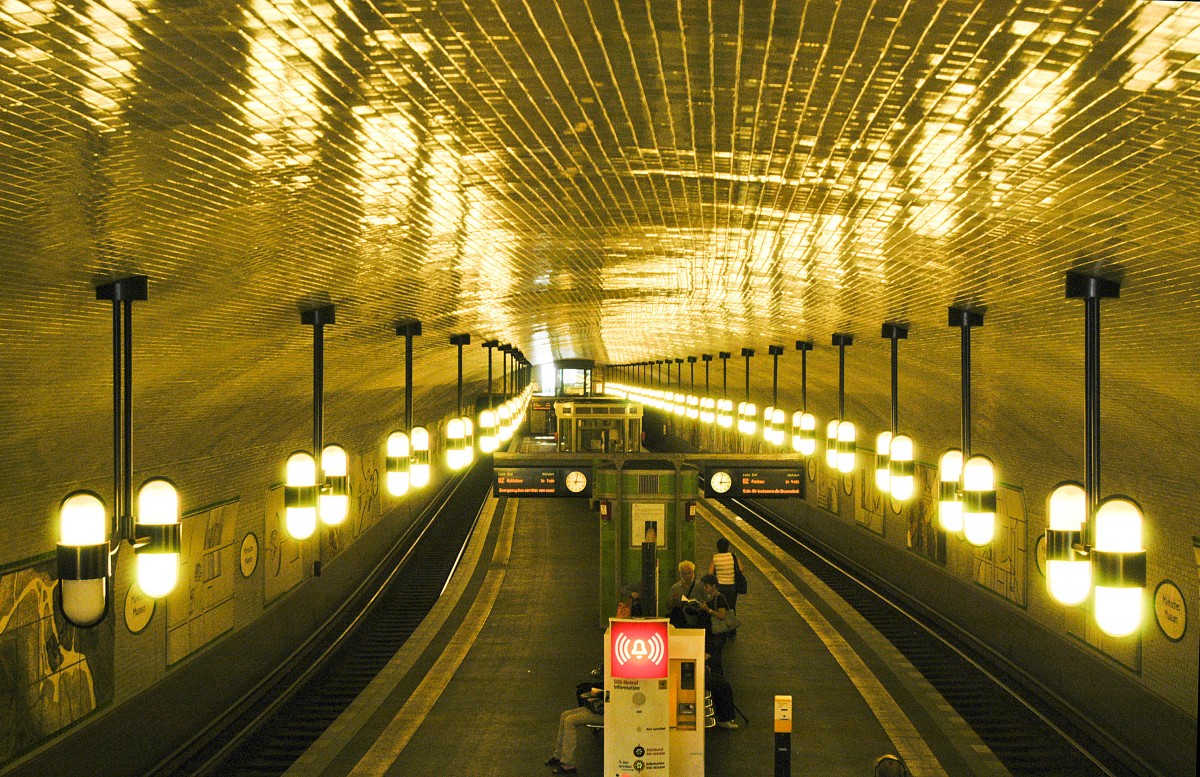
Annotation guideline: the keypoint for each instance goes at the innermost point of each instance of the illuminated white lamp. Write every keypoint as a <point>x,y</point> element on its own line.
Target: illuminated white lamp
<point>1068,573</point>
<point>749,423</point>
<point>950,507</point>
<point>831,430</point>
<point>680,404</point>
<point>455,455</point>
<point>979,500</point>
<point>778,436</point>
<point>300,495</point>
<point>333,503</point>
<point>504,414</point>
<point>397,463</point>
<point>158,538</point>
<point>804,433</point>
<point>768,413</point>
<point>883,455</point>
<point>693,407</point>
<point>418,470</point>
<point>725,413</point>
<point>469,438</point>
<point>708,410</point>
<point>902,469</point>
<point>846,435</point>
<point>1118,566</point>
<point>83,559</point>
<point>489,431</point>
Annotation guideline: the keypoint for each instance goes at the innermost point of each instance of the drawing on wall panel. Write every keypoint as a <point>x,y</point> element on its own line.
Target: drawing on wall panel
<point>364,491</point>
<point>1001,564</point>
<point>824,486</point>
<point>283,557</point>
<point>201,606</point>
<point>924,535</point>
<point>870,498</point>
<point>51,673</point>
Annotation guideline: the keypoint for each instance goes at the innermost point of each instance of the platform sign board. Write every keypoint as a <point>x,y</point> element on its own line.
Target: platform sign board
<point>762,482</point>
<point>758,482</point>
<point>528,482</point>
<point>636,710</point>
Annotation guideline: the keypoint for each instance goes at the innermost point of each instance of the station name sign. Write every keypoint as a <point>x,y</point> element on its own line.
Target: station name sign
<point>542,481</point>
<point>758,482</point>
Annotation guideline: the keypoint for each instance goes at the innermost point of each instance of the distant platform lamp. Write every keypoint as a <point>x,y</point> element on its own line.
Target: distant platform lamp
<point>841,433</point>
<point>804,423</point>
<point>894,468</point>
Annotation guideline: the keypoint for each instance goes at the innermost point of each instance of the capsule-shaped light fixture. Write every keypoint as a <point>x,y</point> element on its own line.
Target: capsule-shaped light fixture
<point>158,526</point>
<point>883,458</point>
<point>778,436</point>
<point>748,418</point>
<point>419,463</point>
<point>708,410</point>
<point>456,457</point>
<point>831,430</point>
<point>804,433</point>
<point>333,504</point>
<point>768,413</point>
<point>504,416</point>
<point>1068,574</point>
<point>489,431</point>
<point>725,413</point>
<point>397,463</point>
<point>1118,566</point>
<point>693,407</point>
<point>300,495</point>
<point>979,500</point>
<point>846,437</point>
<point>83,559</point>
<point>680,404</point>
<point>950,507</point>
<point>902,468</point>
<point>469,439</point>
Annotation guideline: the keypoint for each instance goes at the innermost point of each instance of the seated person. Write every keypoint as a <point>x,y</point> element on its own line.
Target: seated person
<point>685,587</point>
<point>591,713</point>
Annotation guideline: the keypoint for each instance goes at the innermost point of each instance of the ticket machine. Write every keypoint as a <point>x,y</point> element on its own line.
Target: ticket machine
<point>654,699</point>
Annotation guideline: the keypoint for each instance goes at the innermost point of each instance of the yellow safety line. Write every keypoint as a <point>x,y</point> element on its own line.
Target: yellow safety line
<point>327,747</point>
<point>904,735</point>
<point>404,725</point>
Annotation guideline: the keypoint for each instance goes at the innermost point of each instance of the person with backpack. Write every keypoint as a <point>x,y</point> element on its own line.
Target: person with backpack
<point>728,570</point>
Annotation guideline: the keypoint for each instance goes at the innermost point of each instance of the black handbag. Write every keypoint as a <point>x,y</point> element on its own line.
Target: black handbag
<point>739,579</point>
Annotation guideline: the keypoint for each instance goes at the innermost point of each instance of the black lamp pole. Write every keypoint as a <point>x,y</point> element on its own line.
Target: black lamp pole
<point>460,341</point>
<point>318,318</point>
<point>707,359</point>
<point>747,352</point>
<point>804,346</point>
<point>724,356</point>
<point>895,333</point>
<point>965,318</point>
<point>841,340</point>
<point>776,351</point>
<point>408,330</point>
<point>489,345</point>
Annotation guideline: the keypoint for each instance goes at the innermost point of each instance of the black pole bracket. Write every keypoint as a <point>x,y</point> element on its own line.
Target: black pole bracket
<point>133,288</point>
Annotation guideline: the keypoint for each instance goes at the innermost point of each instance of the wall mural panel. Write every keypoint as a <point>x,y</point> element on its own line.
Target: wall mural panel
<point>201,607</point>
<point>51,674</point>
<point>1002,565</point>
<point>283,557</point>
<point>924,535</point>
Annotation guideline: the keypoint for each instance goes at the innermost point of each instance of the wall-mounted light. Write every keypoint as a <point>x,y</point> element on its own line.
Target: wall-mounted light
<point>883,457</point>
<point>300,495</point>
<point>418,468</point>
<point>977,483</point>
<point>333,503</point>
<point>845,433</point>
<point>1108,551</point>
<point>950,508</point>
<point>398,453</point>
<point>87,539</point>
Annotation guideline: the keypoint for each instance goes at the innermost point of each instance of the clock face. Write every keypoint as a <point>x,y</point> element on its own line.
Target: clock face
<point>576,481</point>
<point>720,482</point>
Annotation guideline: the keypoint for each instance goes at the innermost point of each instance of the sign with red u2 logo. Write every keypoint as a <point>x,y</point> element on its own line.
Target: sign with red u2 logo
<point>639,649</point>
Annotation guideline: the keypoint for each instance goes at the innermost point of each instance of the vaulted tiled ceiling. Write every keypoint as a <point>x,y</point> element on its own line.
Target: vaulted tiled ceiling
<point>603,179</point>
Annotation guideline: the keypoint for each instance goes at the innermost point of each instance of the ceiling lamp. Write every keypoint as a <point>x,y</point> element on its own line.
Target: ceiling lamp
<point>300,495</point>
<point>950,508</point>
<point>489,422</point>
<point>418,468</point>
<point>804,424</point>
<point>399,448</point>
<point>456,430</point>
<point>900,449</point>
<point>844,435</point>
<point>1115,561</point>
<point>977,482</point>
<point>87,540</point>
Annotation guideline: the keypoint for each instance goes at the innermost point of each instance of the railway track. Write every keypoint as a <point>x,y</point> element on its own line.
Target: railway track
<point>1027,736</point>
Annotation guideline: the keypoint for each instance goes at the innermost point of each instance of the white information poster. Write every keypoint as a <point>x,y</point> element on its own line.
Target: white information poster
<point>639,515</point>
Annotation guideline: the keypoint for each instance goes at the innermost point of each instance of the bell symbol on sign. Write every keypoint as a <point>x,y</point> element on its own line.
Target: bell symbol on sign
<point>639,649</point>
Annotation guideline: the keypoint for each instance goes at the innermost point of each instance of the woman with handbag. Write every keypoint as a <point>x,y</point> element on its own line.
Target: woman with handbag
<point>728,571</point>
<point>718,620</point>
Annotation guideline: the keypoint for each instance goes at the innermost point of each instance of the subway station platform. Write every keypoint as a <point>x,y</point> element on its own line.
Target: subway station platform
<point>479,687</point>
